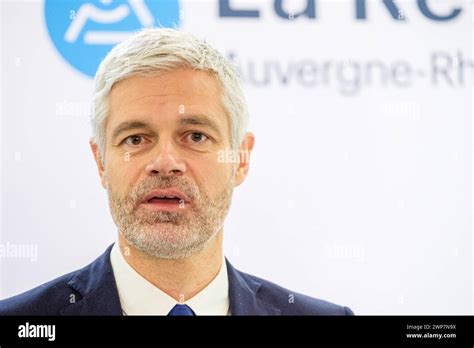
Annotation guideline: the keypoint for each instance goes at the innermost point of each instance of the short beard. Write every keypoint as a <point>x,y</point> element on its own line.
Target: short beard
<point>169,235</point>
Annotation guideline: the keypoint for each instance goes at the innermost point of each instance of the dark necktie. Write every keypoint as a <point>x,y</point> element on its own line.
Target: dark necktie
<point>181,309</point>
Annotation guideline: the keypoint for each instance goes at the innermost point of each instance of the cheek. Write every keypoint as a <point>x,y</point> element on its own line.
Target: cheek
<point>211,175</point>
<point>122,172</point>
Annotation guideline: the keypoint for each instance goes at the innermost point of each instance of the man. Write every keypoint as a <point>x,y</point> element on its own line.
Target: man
<point>166,107</point>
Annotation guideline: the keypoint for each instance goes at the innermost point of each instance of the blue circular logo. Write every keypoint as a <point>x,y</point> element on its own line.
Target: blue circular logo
<point>85,31</point>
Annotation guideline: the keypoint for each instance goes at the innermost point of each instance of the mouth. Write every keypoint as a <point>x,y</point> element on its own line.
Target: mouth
<point>166,200</point>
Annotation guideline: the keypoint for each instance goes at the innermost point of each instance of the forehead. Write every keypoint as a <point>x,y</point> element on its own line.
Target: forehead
<point>166,96</point>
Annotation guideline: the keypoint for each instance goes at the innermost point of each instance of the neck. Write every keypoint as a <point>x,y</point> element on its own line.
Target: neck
<point>180,279</point>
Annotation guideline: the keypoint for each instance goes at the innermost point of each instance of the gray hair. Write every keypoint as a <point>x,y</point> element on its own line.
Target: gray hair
<point>156,50</point>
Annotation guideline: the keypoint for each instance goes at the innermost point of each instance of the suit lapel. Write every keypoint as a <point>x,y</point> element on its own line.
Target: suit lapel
<point>96,284</point>
<point>244,297</point>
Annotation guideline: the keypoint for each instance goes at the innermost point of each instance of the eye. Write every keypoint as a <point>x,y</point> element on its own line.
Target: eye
<point>133,140</point>
<point>197,137</point>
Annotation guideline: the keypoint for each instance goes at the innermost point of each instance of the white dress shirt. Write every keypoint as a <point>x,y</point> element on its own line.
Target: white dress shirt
<point>140,297</point>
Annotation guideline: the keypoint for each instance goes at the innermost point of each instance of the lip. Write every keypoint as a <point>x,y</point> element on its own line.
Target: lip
<point>166,192</point>
<point>183,202</point>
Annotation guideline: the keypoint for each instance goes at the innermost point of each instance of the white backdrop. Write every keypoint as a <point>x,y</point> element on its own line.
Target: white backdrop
<point>360,189</point>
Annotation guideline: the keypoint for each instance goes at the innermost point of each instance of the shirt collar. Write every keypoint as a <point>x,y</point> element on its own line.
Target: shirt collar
<point>140,297</point>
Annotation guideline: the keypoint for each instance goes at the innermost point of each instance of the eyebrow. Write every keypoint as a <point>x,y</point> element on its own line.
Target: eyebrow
<point>196,120</point>
<point>200,120</point>
<point>129,125</point>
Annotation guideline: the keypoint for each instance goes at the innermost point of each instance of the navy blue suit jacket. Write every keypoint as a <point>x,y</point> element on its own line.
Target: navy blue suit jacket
<point>92,291</point>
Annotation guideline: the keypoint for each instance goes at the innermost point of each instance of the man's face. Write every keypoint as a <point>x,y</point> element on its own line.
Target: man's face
<point>168,192</point>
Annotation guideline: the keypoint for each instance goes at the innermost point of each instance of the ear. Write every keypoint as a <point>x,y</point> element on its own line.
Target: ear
<point>98,162</point>
<point>244,158</point>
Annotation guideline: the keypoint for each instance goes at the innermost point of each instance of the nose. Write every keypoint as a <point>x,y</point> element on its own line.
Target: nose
<point>166,163</point>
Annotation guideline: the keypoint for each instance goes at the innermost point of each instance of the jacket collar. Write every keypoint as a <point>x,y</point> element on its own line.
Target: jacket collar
<point>96,284</point>
<point>244,295</point>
